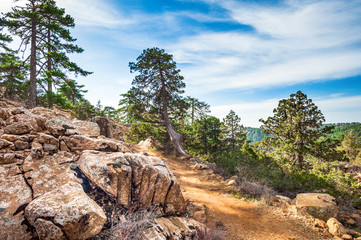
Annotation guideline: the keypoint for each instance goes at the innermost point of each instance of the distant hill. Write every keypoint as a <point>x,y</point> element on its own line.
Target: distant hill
<point>341,128</point>
<point>254,134</point>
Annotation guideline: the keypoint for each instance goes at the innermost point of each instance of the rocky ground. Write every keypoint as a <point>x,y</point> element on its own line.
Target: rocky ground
<point>62,179</point>
<point>71,179</point>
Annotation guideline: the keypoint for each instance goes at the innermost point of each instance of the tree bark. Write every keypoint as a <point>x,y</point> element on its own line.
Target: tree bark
<point>174,136</point>
<point>32,95</point>
<point>50,85</point>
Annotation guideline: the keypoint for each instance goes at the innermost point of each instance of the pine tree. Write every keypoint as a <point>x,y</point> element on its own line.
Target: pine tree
<point>57,44</point>
<point>44,26</point>
<point>197,108</point>
<point>12,70</point>
<point>296,128</point>
<point>159,84</point>
<point>233,131</point>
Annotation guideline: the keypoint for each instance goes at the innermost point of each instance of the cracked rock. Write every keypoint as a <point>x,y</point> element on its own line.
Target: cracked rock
<point>67,212</point>
<point>134,178</point>
<point>14,194</point>
<point>49,172</point>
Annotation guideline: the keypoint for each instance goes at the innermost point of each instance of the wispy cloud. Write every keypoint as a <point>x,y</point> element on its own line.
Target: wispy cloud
<point>95,13</point>
<point>294,42</point>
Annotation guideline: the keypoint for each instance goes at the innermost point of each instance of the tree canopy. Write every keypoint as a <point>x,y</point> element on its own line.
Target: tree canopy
<point>296,128</point>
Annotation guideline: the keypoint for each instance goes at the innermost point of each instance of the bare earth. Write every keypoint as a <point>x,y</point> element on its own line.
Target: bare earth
<point>235,218</point>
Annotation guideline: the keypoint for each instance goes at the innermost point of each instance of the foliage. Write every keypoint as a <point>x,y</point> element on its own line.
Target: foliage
<point>204,137</point>
<point>296,129</point>
<point>268,169</point>
<point>351,145</point>
<point>342,129</point>
<point>44,27</point>
<point>83,110</point>
<point>233,132</point>
<point>142,130</point>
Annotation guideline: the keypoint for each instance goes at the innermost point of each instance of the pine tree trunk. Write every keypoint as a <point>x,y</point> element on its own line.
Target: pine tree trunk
<point>32,95</point>
<point>50,85</point>
<point>174,136</point>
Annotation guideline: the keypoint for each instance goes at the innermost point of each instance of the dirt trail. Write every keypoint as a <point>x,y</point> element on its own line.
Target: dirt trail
<point>237,218</point>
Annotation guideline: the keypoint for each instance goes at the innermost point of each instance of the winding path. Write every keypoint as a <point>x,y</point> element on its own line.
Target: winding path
<point>239,219</point>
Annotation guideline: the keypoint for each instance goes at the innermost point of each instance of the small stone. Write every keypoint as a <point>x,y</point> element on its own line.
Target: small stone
<point>347,237</point>
<point>231,182</point>
<point>21,145</point>
<point>335,227</point>
<point>63,147</point>
<point>50,148</point>
<point>351,221</point>
<point>318,223</point>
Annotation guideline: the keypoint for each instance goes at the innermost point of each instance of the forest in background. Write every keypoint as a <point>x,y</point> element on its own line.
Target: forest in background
<point>293,151</point>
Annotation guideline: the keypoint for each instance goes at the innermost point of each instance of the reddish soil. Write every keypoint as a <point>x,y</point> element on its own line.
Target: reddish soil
<point>237,219</point>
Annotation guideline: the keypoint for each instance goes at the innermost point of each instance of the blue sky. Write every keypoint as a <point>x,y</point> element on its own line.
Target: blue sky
<point>234,54</point>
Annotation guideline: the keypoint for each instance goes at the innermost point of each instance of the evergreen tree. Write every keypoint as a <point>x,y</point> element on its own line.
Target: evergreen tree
<point>206,134</point>
<point>233,131</point>
<point>296,128</point>
<point>197,108</point>
<point>352,146</point>
<point>12,70</point>
<point>44,26</point>
<point>158,86</point>
<point>57,44</point>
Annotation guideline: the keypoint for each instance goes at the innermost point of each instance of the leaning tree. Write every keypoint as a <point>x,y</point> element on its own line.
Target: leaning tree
<point>296,128</point>
<point>158,86</point>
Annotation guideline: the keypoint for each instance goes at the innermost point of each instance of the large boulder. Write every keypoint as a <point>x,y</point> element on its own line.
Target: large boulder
<point>15,194</point>
<point>319,205</point>
<point>49,172</point>
<point>65,213</point>
<point>81,143</point>
<point>61,126</point>
<point>134,178</point>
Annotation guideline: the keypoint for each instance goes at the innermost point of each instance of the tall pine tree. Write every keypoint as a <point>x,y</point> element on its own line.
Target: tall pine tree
<point>44,26</point>
<point>159,84</point>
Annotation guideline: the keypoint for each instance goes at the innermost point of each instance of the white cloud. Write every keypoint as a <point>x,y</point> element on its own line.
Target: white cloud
<point>295,42</point>
<point>98,13</point>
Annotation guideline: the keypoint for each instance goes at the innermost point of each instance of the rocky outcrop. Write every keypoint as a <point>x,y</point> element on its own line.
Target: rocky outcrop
<point>80,143</point>
<point>49,172</point>
<point>65,213</point>
<point>110,128</point>
<point>134,178</point>
<point>318,205</point>
<point>60,179</point>
<point>62,126</point>
<point>174,228</point>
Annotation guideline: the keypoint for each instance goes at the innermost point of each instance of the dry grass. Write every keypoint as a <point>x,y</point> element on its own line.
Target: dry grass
<point>129,225</point>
